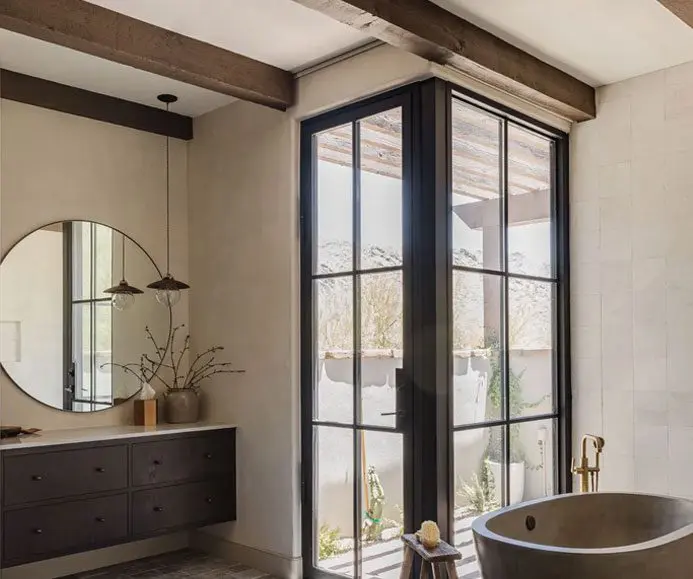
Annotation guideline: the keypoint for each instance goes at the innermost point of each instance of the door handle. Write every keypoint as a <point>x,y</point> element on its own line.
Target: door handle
<point>400,401</point>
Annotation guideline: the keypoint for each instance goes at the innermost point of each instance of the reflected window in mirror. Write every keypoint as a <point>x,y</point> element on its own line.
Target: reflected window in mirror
<point>89,264</point>
<point>53,284</point>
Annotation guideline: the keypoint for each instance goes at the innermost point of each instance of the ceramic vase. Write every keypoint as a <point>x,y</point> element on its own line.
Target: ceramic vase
<point>181,406</point>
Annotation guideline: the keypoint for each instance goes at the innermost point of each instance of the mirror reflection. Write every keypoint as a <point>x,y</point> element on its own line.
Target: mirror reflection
<point>60,330</point>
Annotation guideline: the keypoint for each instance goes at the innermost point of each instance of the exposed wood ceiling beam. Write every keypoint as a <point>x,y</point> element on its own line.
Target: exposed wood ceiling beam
<point>83,103</point>
<point>425,29</point>
<point>107,34</point>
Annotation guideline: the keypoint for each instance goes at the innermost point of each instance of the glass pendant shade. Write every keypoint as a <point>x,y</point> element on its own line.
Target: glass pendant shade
<point>123,295</point>
<point>168,288</point>
<point>122,301</point>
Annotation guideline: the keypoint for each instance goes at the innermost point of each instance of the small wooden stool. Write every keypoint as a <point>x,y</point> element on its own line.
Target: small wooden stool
<point>432,561</point>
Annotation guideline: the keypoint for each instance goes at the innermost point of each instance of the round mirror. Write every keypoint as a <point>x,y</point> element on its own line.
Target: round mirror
<point>62,335</point>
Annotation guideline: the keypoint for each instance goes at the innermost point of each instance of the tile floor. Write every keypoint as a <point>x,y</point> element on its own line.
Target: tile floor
<point>185,564</point>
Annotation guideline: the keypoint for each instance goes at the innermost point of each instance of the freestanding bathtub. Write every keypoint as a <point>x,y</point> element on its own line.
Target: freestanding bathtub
<point>588,536</point>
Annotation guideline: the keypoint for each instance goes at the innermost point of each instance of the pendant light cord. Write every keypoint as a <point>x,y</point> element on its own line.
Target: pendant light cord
<point>123,262</point>
<point>168,204</point>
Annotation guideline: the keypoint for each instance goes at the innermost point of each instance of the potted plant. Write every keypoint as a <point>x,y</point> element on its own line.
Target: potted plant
<point>182,381</point>
<point>495,450</point>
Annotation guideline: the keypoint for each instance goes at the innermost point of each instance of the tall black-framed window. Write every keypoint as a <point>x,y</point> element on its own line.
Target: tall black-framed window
<point>88,324</point>
<point>509,306</point>
<point>434,323</point>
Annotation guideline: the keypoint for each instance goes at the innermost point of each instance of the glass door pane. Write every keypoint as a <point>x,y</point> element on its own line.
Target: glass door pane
<point>503,315</point>
<point>333,391</point>
<point>531,308</point>
<point>334,513</point>
<point>380,151</point>
<point>381,346</point>
<point>382,499</point>
<point>334,198</point>
<point>476,187</point>
<point>532,443</point>
<point>479,458</point>
<point>530,203</point>
<point>476,356</point>
<point>358,346</point>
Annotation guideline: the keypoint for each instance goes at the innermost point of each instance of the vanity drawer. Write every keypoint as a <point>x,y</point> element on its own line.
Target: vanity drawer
<point>34,532</point>
<point>183,505</point>
<point>188,458</point>
<point>35,477</point>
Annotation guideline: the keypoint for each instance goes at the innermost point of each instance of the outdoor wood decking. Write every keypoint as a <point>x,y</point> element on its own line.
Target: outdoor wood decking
<point>384,560</point>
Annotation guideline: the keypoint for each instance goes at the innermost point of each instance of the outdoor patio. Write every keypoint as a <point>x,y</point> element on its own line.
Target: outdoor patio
<point>383,560</point>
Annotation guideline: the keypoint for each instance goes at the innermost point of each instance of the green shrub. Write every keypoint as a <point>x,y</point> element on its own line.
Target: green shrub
<point>481,492</point>
<point>329,544</point>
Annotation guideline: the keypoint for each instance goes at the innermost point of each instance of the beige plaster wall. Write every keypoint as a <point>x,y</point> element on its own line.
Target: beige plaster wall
<point>244,263</point>
<point>55,166</point>
<point>244,245</point>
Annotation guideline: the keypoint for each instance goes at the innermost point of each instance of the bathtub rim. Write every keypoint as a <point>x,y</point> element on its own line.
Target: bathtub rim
<point>480,528</point>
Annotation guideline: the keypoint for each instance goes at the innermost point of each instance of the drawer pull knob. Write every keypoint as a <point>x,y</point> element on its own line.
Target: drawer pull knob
<point>38,531</point>
<point>37,477</point>
<point>100,520</point>
<point>208,455</point>
<point>209,500</point>
<point>157,462</point>
<point>100,469</point>
<point>158,509</point>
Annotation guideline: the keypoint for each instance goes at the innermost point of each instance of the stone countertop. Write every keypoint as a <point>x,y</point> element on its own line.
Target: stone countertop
<point>100,433</point>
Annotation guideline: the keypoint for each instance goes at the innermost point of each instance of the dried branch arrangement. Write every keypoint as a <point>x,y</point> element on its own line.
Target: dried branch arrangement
<point>204,365</point>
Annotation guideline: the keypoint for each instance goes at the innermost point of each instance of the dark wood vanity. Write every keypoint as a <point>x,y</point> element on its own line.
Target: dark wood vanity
<point>62,497</point>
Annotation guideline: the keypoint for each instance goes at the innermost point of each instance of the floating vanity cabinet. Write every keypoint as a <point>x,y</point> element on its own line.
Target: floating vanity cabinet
<point>72,491</point>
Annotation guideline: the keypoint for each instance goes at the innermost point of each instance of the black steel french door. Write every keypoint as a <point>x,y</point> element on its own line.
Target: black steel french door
<point>357,341</point>
<point>433,322</point>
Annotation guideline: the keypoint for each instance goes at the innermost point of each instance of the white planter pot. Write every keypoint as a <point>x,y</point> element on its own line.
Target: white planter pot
<point>517,481</point>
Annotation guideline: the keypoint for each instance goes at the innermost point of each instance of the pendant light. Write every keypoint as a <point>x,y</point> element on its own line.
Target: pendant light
<point>168,288</point>
<point>123,293</point>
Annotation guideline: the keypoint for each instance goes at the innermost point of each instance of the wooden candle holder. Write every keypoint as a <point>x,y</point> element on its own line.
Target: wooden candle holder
<point>145,413</point>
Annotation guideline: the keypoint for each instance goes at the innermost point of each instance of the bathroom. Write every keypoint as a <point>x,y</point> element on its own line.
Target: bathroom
<point>433,351</point>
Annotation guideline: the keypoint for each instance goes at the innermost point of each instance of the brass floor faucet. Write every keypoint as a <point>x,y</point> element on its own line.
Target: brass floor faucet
<point>589,475</point>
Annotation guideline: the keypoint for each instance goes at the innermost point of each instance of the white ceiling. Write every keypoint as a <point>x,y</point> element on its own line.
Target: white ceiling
<point>52,62</point>
<point>279,32</point>
<point>598,41</point>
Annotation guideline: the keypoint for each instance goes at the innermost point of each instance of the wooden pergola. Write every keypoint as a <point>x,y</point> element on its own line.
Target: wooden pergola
<point>476,175</point>
<point>476,172</point>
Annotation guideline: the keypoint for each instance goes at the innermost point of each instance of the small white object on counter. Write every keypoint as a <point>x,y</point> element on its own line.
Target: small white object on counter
<point>147,392</point>
<point>99,433</point>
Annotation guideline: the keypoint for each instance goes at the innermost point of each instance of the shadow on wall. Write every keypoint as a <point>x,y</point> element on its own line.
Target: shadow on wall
<point>334,399</point>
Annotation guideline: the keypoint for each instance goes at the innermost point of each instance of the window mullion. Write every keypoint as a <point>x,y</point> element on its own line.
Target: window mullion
<point>505,327</point>
<point>356,317</point>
